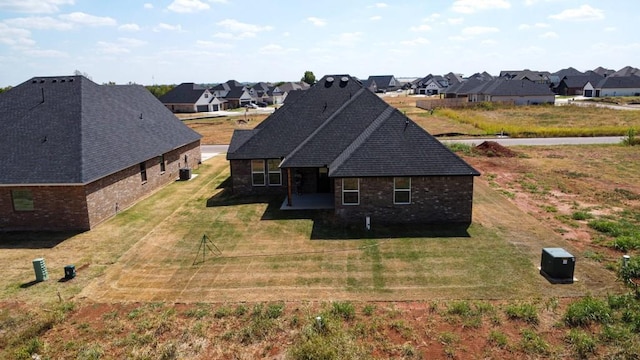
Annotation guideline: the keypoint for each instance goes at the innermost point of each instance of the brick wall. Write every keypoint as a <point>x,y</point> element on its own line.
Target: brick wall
<point>433,200</point>
<point>116,192</point>
<point>242,184</point>
<point>82,207</point>
<point>55,208</point>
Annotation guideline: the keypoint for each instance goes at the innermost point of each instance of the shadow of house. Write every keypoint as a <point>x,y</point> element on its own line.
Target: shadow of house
<point>327,227</point>
<point>33,239</point>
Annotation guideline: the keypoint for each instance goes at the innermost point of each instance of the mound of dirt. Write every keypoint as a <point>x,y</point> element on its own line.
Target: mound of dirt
<point>493,149</point>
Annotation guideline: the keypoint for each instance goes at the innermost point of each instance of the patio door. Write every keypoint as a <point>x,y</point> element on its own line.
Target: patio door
<point>324,183</point>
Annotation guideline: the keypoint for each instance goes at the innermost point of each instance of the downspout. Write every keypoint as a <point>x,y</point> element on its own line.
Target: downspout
<point>289,191</point>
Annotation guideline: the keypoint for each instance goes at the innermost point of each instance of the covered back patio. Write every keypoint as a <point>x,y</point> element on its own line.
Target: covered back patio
<point>308,189</point>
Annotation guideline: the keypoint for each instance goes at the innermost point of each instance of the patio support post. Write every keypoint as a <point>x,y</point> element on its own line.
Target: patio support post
<point>289,191</point>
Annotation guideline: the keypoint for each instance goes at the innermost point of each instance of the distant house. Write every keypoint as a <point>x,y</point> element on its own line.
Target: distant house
<point>188,98</point>
<point>340,142</point>
<point>574,85</point>
<point>541,77</point>
<point>627,71</point>
<point>519,92</point>
<point>431,85</point>
<point>614,86</point>
<point>234,93</point>
<point>382,83</point>
<point>76,153</point>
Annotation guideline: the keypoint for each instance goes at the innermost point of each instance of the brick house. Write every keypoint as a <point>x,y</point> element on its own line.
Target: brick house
<point>343,141</point>
<point>75,153</point>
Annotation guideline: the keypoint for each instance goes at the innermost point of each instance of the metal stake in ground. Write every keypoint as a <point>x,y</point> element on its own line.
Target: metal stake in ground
<point>206,244</point>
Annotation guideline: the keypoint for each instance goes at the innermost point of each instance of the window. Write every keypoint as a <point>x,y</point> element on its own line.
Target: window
<point>257,173</point>
<point>350,191</point>
<point>402,190</point>
<point>22,200</point>
<point>143,172</point>
<point>275,175</point>
<point>163,166</point>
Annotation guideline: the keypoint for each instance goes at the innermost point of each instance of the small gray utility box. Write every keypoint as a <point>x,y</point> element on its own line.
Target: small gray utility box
<point>557,265</point>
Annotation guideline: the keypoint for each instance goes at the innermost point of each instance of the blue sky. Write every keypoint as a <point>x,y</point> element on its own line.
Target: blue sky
<point>208,41</point>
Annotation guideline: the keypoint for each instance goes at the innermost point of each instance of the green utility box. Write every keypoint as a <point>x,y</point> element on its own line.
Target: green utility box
<point>557,265</point>
<point>69,272</point>
<point>41,269</point>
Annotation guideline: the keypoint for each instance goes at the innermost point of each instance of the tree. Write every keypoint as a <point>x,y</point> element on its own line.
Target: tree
<point>309,78</point>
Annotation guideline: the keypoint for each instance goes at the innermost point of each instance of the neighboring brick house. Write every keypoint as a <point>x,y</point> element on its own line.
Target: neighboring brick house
<point>192,98</point>
<point>75,153</point>
<point>340,139</point>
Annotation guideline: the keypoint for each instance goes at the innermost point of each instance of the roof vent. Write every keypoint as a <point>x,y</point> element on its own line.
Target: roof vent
<point>34,81</point>
<point>344,79</point>
<point>41,81</point>
<point>54,81</point>
<point>328,82</point>
<point>71,80</point>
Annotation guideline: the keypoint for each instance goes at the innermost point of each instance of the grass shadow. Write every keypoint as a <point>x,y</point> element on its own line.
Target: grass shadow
<point>33,239</point>
<point>327,227</point>
<point>29,284</point>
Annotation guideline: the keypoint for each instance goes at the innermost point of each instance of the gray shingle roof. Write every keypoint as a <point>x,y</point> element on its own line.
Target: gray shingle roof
<point>619,82</point>
<point>185,93</point>
<point>504,87</point>
<point>342,125</point>
<point>82,131</point>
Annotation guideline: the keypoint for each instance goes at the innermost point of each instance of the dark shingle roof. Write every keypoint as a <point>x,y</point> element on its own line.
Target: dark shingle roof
<point>342,125</point>
<point>185,93</point>
<point>69,130</point>
<point>621,82</point>
<point>581,80</point>
<point>504,87</point>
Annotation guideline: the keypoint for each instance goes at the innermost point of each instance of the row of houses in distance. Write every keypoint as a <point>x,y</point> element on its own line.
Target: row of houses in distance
<point>521,87</point>
<point>191,97</point>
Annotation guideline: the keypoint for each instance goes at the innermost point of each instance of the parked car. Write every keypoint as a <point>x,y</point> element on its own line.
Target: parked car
<point>261,104</point>
<point>251,106</point>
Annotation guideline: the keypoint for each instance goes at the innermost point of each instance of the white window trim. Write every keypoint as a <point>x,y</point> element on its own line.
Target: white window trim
<point>277,171</point>
<point>395,191</point>
<point>264,164</point>
<point>357,191</point>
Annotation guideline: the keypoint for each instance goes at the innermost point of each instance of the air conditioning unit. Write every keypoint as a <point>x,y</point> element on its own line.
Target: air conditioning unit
<point>185,174</point>
<point>557,265</point>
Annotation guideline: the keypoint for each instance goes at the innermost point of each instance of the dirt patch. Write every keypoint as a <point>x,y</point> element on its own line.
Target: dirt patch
<point>493,149</point>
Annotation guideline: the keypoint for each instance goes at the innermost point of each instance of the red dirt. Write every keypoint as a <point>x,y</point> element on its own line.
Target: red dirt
<point>493,149</point>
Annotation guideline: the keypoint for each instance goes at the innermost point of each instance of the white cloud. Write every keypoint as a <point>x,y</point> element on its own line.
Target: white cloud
<point>610,29</point>
<point>34,6</point>
<point>549,35</point>
<point>205,44</point>
<point>524,27</point>
<point>242,30</point>
<point>378,5</point>
<point>375,18</point>
<point>415,42</point>
<point>46,53</point>
<point>187,6</point>
<point>583,13</point>
<point>488,42</point>
<point>148,6</point>
<point>472,6</point>
<point>317,21</point>
<point>39,23</point>
<point>224,35</point>
<point>536,25</point>
<point>274,49</point>
<point>167,27</point>
<point>15,37</point>
<point>347,39</point>
<point>455,21</point>
<point>122,46</point>
<point>479,30</point>
<point>89,20</point>
<point>129,27</point>
<point>531,50</point>
<point>420,28</point>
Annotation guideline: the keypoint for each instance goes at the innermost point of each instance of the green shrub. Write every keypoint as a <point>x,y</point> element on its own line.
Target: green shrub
<point>581,215</point>
<point>275,310</point>
<point>461,308</point>
<point>582,343</point>
<point>532,343</point>
<point>626,243</point>
<point>498,338</point>
<point>586,311</point>
<point>460,148</point>
<point>345,310</point>
<point>369,309</point>
<point>525,312</point>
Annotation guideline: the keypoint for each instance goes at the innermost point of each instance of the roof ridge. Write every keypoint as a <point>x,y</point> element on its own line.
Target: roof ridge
<point>384,115</point>
<point>323,125</point>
